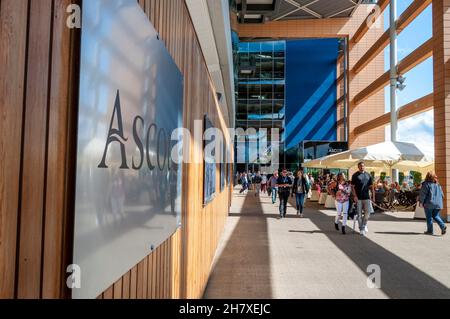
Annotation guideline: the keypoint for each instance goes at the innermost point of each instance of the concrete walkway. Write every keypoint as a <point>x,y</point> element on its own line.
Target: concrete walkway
<point>261,256</point>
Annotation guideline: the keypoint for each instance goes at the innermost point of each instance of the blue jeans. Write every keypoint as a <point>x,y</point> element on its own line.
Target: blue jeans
<point>433,214</point>
<point>274,194</point>
<point>300,200</point>
<point>284,198</point>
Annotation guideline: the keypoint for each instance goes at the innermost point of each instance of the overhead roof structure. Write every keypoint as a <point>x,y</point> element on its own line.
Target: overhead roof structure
<point>260,11</point>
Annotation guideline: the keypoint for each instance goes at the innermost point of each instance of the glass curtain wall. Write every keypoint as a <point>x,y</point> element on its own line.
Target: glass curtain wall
<point>260,90</point>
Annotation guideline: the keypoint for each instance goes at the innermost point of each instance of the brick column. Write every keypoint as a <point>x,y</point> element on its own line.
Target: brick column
<point>441,57</point>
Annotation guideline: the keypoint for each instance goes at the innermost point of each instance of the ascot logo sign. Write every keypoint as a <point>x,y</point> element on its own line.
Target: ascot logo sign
<point>164,155</point>
<point>116,135</point>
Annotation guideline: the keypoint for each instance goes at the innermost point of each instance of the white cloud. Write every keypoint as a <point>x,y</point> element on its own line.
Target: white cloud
<point>418,130</point>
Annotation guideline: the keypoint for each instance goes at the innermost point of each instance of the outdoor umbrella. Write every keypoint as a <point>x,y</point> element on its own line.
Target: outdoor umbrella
<point>382,156</point>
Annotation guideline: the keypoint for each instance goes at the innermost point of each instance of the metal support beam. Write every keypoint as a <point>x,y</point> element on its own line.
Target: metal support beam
<point>393,69</point>
<point>243,11</point>
<point>394,77</point>
<point>305,8</point>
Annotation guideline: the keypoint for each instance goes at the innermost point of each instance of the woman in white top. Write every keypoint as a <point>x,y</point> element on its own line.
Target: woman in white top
<point>342,191</point>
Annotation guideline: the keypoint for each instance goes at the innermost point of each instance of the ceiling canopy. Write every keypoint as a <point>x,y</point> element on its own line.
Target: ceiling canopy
<point>260,11</point>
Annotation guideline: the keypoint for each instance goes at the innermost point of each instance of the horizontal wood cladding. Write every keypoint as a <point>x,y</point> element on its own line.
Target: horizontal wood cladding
<point>418,56</point>
<point>416,107</point>
<point>371,18</point>
<point>408,16</point>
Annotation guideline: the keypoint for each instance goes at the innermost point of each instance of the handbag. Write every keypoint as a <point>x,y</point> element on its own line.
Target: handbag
<point>352,211</point>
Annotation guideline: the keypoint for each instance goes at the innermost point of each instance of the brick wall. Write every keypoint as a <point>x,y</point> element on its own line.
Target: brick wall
<point>441,56</point>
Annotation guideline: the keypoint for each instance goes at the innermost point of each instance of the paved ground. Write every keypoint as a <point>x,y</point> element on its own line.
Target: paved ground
<point>263,257</point>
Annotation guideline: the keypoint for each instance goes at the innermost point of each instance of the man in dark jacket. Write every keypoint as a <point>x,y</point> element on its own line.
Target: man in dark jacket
<point>284,184</point>
<point>257,181</point>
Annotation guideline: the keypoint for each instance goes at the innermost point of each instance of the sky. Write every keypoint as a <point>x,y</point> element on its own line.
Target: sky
<point>419,81</point>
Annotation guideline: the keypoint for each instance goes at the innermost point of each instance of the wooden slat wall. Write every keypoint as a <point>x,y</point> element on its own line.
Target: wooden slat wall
<point>180,267</point>
<point>39,65</point>
<point>13,47</point>
<point>37,115</point>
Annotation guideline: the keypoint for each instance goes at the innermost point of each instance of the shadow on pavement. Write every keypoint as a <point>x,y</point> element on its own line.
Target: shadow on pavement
<point>399,279</point>
<point>242,271</point>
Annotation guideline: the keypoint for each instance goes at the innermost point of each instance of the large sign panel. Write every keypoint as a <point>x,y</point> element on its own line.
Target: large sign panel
<point>210,166</point>
<point>128,189</point>
<point>316,149</point>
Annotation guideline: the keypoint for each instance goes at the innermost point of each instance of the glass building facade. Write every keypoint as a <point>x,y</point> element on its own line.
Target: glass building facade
<point>260,95</point>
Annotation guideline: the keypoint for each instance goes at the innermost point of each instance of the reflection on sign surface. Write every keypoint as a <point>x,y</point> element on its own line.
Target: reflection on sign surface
<point>128,191</point>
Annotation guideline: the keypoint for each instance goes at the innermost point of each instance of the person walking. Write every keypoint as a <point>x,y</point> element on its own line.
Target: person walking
<point>342,192</point>
<point>284,184</point>
<point>257,181</point>
<point>310,181</point>
<point>244,182</point>
<point>264,183</point>
<point>250,181</point>
<point>300,188</point>
<point>431,198</point>
<point>362,183</point>
<point>273,186</point>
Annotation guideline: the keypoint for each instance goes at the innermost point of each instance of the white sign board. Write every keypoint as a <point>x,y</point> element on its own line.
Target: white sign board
<point>128,190</point>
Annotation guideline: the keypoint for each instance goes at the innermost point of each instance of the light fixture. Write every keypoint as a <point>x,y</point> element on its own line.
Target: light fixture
<point>401,82</point>
<point>401,79</point>
<point>246,71</point>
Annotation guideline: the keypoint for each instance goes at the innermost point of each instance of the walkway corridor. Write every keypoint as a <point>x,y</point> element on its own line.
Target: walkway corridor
<point>262,257</point>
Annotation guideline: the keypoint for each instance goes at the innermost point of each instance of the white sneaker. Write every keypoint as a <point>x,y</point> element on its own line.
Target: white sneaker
<point>366,230</point>
<point>363,233</point>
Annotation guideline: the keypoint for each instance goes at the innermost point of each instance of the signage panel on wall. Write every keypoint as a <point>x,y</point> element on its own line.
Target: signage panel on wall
<point>128,189</point>
<point>210,167</point>
<point>316,149</point>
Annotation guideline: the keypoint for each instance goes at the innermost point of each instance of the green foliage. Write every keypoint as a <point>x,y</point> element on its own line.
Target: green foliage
<point>417,177</point>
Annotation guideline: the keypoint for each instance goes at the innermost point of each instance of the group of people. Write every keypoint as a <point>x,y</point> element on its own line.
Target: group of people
<point>250,180</point>
<point>357,193</point>
<point>404,194</point>
<point>283,186</point>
